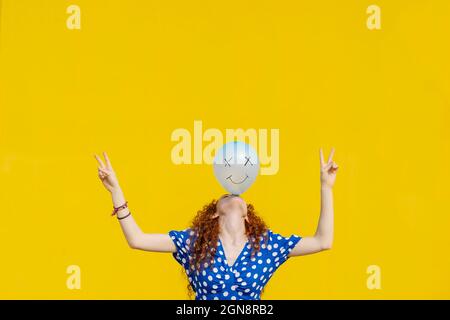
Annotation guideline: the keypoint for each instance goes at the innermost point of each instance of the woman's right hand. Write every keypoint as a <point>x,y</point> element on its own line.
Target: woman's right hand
<point>106,174</point>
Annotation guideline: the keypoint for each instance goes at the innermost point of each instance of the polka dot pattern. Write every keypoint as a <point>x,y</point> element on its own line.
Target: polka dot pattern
<point>246,278</point>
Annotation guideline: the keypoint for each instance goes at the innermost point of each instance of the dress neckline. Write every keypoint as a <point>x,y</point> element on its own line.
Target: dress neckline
<point>237,258</point>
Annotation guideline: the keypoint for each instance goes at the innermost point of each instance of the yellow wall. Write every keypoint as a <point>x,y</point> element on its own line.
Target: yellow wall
<point>137,70</point>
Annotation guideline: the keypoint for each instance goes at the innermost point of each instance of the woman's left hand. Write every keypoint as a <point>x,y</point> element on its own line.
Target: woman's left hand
<point>327,169</point>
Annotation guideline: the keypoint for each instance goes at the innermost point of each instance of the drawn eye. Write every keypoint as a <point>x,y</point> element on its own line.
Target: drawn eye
<point>248,161</point>
<point>226,162</point>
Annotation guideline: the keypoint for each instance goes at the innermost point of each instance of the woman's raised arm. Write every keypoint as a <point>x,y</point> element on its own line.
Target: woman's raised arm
<point>135,237</point>
<point>323,237</point>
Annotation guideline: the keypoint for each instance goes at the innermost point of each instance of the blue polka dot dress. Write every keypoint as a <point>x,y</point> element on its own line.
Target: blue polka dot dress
<point>248,275</point>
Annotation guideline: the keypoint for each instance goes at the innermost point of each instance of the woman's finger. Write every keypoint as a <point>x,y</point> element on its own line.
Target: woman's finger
<point>108,162</point>
<point>330,157</point>
<point>104,171</point>
<point>334,167</point>
<point>327,166</point>
<point>100,162</point>
<point>322,162</point>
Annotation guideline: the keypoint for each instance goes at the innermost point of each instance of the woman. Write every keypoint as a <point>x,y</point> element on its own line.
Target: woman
<point>228,252</point>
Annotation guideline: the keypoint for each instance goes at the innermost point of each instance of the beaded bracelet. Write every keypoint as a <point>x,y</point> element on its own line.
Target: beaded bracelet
<point>125,205</point>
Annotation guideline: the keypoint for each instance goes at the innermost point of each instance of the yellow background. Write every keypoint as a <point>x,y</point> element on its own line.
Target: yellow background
<point>137,70</point>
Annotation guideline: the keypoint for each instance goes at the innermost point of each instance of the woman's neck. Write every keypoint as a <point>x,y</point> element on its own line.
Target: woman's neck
<point>232,227</point>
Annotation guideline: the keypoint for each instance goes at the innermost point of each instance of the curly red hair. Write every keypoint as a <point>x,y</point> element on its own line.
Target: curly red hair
<point>206,231</point>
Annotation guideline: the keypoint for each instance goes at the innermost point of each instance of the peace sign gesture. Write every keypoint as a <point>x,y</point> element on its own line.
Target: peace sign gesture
<point>106,173</point>
<point>328,169</point>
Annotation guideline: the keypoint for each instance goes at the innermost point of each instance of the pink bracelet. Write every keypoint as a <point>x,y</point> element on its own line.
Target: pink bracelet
<point>125,205</point>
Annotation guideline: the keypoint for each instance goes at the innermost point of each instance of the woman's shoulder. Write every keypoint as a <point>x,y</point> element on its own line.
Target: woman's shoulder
<point>184,235</point>
<point>277,234</point>
<point>271,234</point>
<point>279,246</point>
<point>274,236</point>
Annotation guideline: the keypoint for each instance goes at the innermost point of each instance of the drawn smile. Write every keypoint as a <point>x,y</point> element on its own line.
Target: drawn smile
<point>229,178</point>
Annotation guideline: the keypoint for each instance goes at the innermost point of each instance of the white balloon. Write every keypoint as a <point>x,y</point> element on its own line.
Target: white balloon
<point>236,166</point>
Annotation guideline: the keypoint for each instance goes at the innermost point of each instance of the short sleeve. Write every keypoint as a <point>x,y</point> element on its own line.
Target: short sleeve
<point>182,240</point>
<point>280,246</point>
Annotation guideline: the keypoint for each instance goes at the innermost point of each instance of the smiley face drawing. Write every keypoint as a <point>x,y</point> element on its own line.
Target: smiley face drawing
<point>236,166</point>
